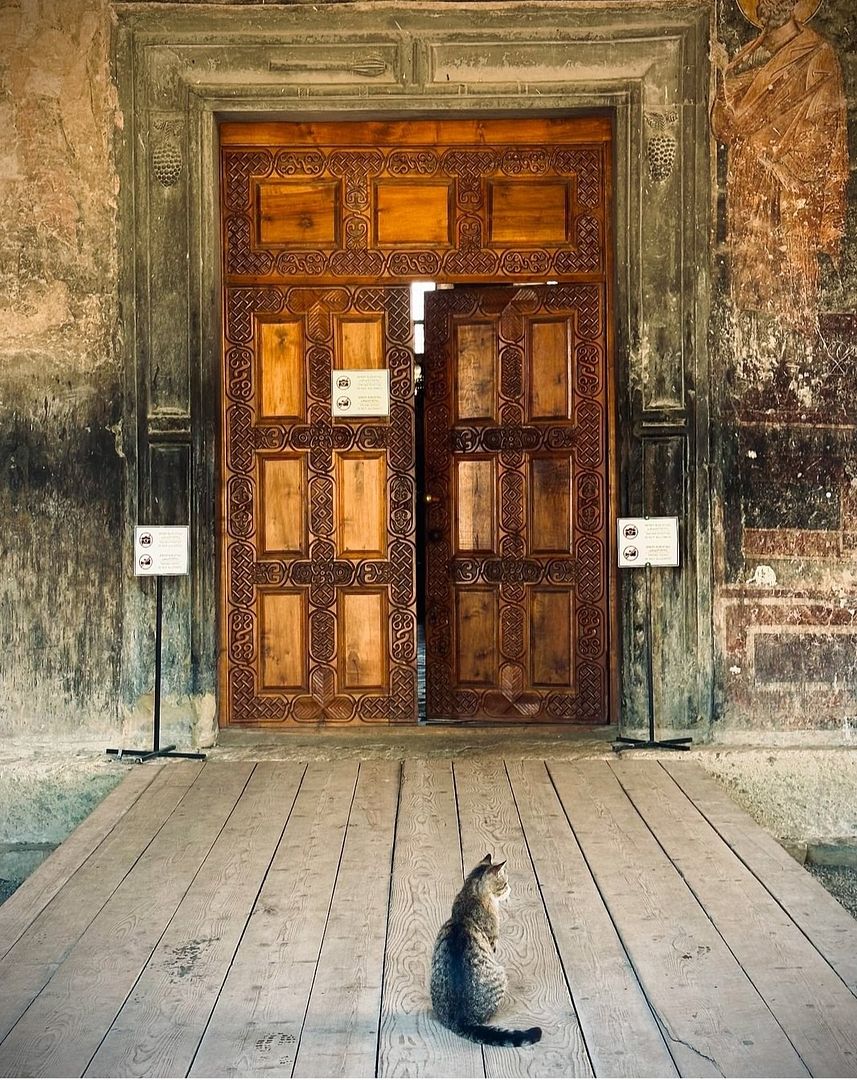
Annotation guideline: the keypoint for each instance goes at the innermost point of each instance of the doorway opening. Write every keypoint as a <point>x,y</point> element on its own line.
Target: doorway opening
<point>367,498</point>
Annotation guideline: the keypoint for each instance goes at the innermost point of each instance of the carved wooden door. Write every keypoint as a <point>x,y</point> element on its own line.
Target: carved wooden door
<point>319,514</point>
<point>517,525</point>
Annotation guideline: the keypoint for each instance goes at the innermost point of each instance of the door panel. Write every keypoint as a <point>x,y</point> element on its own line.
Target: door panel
<point>319,511</point>
<point>517,522</point>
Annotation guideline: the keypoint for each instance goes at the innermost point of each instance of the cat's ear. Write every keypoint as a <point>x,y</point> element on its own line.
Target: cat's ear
<point>497,867</point>
<point>488,859</point>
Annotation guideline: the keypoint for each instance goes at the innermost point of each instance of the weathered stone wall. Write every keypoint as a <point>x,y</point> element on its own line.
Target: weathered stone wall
<point>785,458</point>
<point>61,468</point>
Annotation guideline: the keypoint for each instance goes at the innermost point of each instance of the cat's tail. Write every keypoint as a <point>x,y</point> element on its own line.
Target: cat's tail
<point>494,1036</point>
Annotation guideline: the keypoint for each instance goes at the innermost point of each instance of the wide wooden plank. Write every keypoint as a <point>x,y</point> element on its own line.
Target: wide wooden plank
<point>34,894</point>
<point>62,1029</point>
<point>426,876</point>
<point>256,1024</point>
<point>621,1033</point>
<point>30,963</point>
<point>160,1025</point>
<point>714,1020</point>
<point>812,1004</point>
<point>340,1034</point>
<point>538,993</point>
<point>824,921</point>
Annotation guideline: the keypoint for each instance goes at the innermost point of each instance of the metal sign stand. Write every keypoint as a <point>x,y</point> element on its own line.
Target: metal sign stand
<point>624,742</point>
<point>147,561</point>
<point>646,542</point>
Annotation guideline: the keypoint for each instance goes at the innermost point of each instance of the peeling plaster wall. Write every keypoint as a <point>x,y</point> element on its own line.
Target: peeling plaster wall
<point>785,458</point>
<point>61,469</point>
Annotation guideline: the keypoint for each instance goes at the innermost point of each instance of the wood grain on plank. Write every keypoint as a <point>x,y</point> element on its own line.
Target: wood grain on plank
<point>824,921</point>
<point>538,993</point>
<point>340,1034</point>
<point>29,964</point>
<point>256,1024</point>
<point>160,1025</point>
<point>34,894</point>
<point>715,1021</point>
<point>814,1007</point>
<point>426,877</point>
<point>64,1026</point>
<point>622,1035</point>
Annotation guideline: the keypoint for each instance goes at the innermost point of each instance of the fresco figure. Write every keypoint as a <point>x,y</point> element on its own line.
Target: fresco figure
<point>780,107</point>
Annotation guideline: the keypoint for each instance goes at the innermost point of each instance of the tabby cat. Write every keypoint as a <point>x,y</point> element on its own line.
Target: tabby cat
<point>467,982</point>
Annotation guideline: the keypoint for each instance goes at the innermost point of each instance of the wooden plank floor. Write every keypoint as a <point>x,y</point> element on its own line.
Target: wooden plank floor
<point>277,919</point>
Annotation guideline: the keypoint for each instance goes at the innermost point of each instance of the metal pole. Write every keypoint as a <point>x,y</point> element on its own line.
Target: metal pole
<point>650,644</point>
<point>159,617</point>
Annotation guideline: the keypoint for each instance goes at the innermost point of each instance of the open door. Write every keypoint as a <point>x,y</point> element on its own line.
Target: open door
<point>516,426</point>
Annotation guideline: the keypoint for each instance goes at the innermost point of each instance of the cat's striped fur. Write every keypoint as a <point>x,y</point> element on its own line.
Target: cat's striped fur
<point>467,981</point>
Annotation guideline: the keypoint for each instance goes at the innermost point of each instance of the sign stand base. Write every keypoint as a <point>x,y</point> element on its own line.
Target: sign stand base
<point>156,751</point>
<point>622,742</point>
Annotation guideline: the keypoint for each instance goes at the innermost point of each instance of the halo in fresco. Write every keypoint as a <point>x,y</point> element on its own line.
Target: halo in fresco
<point>804,10</point>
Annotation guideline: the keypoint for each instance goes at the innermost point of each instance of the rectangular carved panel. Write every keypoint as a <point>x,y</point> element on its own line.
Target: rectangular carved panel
<point>298,214</point>
<point>528,212</point>
<point>550,505</point>
<point>363,645</point>
<point>361,507</point>
<point>476,627</point>
<point>283,641</point>
<point>475,372</point>
<point>551,660</point>
<point>475,505</point>
<point>412,213</point>
<point>360,342</point>
<point>549,355</point>
<point>283,502</point>
<point>282,393</point>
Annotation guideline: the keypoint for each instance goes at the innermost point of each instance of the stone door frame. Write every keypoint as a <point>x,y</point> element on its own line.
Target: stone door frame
<point>180,70</point>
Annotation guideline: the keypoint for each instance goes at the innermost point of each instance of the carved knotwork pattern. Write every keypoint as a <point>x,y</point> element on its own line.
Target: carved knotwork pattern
<point>240,558</point>
<point>512,501</point>
<point>412,162</point>
<point>589,501</point>
<point>589,442</point>
<point>322,636</point>
<point>242,637</point>
<point>239,167</point>
<point>589,553</point>
<point>588,369</point>
<point>240,257</point>
<point>512,632</point>
<point>300,163</point>
<point>356,167</point>
<point>518,161</point>
<point>239,374</point>
<point>585,164</point>
<point>590,632</point>
<point>243,304</point>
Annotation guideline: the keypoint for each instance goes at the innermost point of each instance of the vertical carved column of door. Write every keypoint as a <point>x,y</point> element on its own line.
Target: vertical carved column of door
<point>517,478</point>
<point>318,559</point>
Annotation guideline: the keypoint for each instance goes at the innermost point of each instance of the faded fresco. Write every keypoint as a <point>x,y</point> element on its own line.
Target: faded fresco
<point>780,107</point>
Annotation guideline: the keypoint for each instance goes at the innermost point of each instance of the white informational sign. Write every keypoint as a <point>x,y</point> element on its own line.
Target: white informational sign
<point>652,540</point>
<point>161,550</point>
<point>360,392</point>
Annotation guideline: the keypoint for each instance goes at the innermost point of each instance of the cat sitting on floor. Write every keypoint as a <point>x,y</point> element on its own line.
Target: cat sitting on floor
<point>467,981</point>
